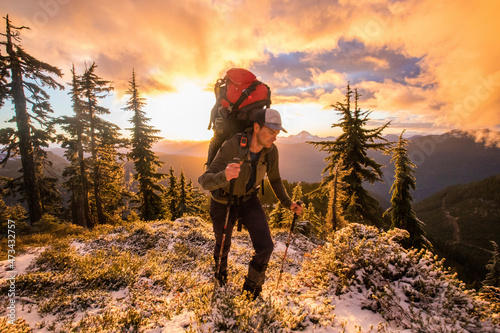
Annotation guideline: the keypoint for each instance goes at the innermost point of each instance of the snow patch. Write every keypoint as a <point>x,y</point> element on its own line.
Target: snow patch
<point>22,262</point>
<point>178,324</point>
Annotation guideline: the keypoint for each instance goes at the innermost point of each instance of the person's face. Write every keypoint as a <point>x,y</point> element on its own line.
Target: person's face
<point>266,136</point>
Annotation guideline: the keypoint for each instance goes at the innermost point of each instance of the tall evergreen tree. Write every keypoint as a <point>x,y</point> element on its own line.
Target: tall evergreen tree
<point>82,140</point>
<point>93,89</point>
<point>111,178</point>
<point>72,183</point>
<point>334,192</point>
<point>185,196</point>
<point>146,163</point>
<point>401,211</point>
<point>172,195</point>
<point>87,132</point>
<point>27,74</point>
<point>350,150</point>
<point>76,142</point>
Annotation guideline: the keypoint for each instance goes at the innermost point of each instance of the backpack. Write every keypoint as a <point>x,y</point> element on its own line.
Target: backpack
<point>237,98</point>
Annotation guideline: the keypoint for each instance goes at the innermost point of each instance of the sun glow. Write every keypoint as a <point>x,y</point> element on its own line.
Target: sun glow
<point>182,115</point>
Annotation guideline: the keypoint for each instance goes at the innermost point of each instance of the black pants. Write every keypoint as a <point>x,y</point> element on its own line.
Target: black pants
<point>253,217</point>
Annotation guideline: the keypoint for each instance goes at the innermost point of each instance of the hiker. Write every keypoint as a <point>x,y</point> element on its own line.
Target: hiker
<point>257,159</point>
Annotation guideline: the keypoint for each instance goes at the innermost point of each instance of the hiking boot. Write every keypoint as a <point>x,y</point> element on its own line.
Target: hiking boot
<point>222,278</point>
<point>252,291</point>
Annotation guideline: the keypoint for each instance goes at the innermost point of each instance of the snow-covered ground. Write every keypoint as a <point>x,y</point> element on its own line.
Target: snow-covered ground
<point>157,278</point>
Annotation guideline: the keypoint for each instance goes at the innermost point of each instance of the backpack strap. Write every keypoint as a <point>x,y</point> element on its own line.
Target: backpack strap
<point>244,95</point>
<point>243,147</point>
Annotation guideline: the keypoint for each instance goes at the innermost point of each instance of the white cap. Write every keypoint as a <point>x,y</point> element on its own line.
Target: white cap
<point>270,118</point>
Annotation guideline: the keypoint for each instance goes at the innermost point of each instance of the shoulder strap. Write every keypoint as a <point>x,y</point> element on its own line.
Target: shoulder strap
<point>244,94</point>
<point>243,147</point>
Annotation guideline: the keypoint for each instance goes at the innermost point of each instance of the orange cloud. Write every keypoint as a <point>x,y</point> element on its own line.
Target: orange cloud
<point>460,57</point>
<point>162,40</point>
<point>166,41</point>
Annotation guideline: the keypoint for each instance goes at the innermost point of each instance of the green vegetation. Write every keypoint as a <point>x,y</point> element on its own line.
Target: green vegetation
<point>34,130</point>
<point>94,179</point>
<point>149,190</point>
<point>401,211</point>
<point>349,164</point>
<point>460,221</point>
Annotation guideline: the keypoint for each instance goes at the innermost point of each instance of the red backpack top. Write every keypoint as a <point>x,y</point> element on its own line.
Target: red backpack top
<point>242,89</point>
<point>238,95</point>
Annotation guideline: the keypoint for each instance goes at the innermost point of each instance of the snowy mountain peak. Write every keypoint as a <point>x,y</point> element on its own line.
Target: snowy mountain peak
<point>301,137</point>
<point>305,135</point>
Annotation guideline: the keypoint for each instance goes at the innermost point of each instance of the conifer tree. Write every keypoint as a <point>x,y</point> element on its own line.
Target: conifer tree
<point>401,211</point>
<point>111,172</point>
<point>49,193</point>
<point>309,214</point>
<point>349,150</point>
<point>72,183</point>
<point>75,143</point>
<point>198,199</point>
<point>493,267</point>
<point>279,216</point>
<point>297,193</point>
<point>15,212</point>
<point>172,195</point>
<point>26,73</point>
<point>94,88</point>
<point>3,79</point>
<point>185,196</point>
<point>146,163</point>
<point>334,192</point>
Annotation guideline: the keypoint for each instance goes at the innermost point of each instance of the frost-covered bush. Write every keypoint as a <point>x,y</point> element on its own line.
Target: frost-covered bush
<point>19,326</point>
<point>230,311</point>
<point>410,287</point>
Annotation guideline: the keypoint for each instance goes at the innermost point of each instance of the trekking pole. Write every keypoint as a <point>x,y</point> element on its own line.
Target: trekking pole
<point>229,199</point>
<point>288,244</point>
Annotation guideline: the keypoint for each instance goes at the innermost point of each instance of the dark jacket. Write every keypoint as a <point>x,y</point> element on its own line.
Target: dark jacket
<point>214,178</point>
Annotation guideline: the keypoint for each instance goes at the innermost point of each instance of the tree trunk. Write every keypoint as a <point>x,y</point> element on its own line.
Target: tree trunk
<point>101,218</point>
<point>334,205</point>
<point>87,218</point>
<point>146,212</point>
<point>30,180</point>
<point>77,213</point>
<point>334,200</point>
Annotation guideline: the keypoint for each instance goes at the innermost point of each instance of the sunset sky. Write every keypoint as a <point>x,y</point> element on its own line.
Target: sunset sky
<point>427,65</point>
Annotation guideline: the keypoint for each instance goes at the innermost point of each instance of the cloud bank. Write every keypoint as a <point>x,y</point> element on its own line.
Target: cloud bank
<point>434,60</point>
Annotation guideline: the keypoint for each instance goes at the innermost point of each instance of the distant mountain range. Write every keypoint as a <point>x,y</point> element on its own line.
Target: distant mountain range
<point>452,158</point>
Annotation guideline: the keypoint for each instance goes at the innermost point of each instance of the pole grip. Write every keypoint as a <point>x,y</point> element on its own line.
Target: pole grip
<point>300,203</point>
<point>231,184</point>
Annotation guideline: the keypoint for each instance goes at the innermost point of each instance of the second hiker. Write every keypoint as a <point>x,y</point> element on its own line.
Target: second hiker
<point>259,156</point>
